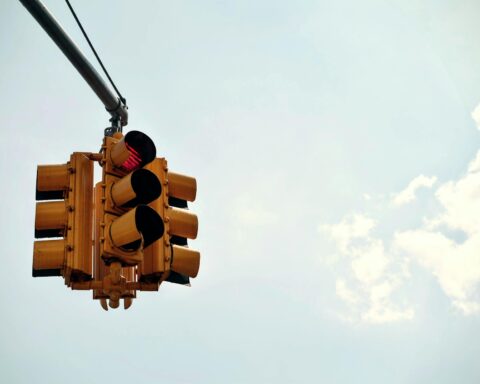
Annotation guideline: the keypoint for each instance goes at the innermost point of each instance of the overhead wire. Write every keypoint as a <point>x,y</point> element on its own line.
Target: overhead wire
<point>124,101</point>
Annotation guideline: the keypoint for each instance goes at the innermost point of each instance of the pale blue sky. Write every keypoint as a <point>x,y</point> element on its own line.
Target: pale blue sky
<point>302,122</point>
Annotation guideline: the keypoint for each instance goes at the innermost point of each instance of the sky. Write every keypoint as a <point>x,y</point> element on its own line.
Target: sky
<point>336,151</point>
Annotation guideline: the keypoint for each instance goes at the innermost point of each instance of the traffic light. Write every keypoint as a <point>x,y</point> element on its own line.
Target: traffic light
<point>129,225</point>
<point>64,211</point>
<point>136,221</point>
<point>169,258</point>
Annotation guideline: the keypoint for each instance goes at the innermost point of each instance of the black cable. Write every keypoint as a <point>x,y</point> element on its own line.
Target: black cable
<point>124,101</point>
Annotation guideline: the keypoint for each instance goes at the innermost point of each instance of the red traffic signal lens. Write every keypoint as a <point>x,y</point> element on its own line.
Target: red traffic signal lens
<point>133,151</point>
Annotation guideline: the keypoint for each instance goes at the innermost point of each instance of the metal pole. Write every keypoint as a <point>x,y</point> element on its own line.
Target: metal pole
<point>112,103</point>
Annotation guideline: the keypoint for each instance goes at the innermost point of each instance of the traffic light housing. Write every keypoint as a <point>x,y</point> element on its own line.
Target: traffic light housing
<point>64,210</point>
<point>169,258</point>
<point>127,234</point>
<point>129,224</point>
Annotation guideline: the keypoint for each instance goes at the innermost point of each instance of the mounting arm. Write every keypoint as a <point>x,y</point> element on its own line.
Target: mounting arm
<point>112,103</point>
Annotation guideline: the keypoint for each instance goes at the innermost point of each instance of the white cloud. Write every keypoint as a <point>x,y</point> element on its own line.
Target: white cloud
<point>355,226</point>
<point>373,274</point>
<point>467,307</point>
<point>377,269</point>
<point>456,266</point>
<point>345,293</point>
<point>408,194</point>
<point>380,313</point>
<point>474,165</point>
<point>461,201</point>
<point>369,262</point>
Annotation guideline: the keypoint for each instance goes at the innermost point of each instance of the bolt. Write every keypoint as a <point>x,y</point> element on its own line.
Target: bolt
<point>113,303</point>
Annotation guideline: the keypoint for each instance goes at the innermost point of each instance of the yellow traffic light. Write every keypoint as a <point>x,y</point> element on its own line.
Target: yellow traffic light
<point>169,258</point>
<point>129,225</point>
<point>135,221</point>
<point>65,211</point>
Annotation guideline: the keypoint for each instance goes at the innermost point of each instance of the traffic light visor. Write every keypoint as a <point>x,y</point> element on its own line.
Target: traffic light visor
<point>50,219</point>
<point>127,231</point>
<point>133,151</point>
<point>139,187</point>
<point>52,182</point>
<point>48,258</point>
<point>183,223</point>
<point>185,261</point>
<point>182,187</point>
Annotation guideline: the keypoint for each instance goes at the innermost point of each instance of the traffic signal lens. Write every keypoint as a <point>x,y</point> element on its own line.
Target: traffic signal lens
<point>127,231</point>
<point>134,161</point>
<point>133,151</point>
<point>139,187</point>
<point>149,223</point>
<point>147,187</point>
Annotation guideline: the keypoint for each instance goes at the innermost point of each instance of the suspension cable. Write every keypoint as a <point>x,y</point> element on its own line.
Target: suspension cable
<point>124,101</point>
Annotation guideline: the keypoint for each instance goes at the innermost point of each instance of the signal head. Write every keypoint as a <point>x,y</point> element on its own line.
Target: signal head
<point>127,231</point>
<point>133,151</point>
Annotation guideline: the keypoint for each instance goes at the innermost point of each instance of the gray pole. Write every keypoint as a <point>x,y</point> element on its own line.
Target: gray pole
<point>112,103</point>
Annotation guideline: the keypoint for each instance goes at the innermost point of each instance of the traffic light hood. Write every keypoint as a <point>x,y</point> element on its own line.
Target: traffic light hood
<point>133,151</point>
<point>127,231</point>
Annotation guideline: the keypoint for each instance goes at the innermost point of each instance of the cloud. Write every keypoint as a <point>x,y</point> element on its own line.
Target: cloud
<point>350,228</point>
<point>385,313</point>
<point>376,270</point>
<point>372,274</point>
<point>408,194</point>
<point>461,201</point>
<point>455,265</point>
<point>345,293</point>
<point>369,262</point>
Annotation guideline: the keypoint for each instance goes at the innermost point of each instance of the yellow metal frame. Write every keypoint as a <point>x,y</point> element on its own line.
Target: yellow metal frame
<point>78,263</point>
<point>99,265</point>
